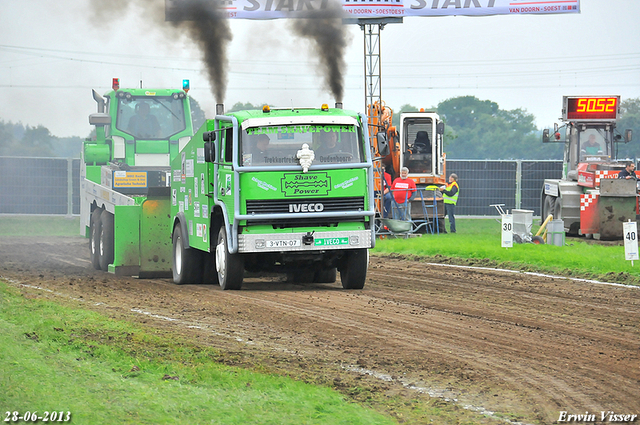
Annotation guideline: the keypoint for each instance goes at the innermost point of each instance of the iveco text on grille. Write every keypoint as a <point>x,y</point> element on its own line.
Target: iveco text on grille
<point>306,207</point>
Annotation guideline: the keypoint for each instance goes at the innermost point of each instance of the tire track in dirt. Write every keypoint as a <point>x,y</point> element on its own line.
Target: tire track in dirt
<point>562,334</point>
<point>446,336</point>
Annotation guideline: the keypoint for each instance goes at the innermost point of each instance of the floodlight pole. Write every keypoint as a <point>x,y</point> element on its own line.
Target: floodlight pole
<point>372,27</point>
<point>372,71</point>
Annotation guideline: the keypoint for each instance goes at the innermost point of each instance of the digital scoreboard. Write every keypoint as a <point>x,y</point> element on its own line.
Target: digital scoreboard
<point>590,108</point>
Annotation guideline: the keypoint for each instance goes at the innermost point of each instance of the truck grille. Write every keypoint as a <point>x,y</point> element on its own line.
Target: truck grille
<point>283,206</point>
<point>275,206</point>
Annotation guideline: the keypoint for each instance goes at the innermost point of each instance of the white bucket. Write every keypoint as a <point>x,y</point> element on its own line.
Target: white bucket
<point>555,232</point>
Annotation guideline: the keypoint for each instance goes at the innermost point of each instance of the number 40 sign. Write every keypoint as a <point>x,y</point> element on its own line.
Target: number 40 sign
<point>630,230</point>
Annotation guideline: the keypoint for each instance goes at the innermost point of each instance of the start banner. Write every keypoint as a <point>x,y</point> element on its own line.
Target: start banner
<point>176,10</point>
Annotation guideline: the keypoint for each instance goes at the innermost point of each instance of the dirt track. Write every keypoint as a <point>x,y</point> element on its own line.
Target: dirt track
<point>523,346</point>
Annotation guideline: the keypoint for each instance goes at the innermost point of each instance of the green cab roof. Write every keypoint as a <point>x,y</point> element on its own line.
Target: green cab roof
<point>146,92</point>
<point>290,112</point>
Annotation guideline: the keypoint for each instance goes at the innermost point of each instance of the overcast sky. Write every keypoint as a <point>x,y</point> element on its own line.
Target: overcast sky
<point>53,53</point>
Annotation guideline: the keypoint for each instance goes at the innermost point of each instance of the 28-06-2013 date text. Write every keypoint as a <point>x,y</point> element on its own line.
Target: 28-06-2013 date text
<point>54,416</point>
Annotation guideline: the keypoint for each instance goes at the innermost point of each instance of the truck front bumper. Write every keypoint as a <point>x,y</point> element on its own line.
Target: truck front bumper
<point>321,241</point>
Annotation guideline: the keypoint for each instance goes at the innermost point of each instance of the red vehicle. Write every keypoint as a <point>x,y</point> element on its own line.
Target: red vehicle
<point>589,197</point>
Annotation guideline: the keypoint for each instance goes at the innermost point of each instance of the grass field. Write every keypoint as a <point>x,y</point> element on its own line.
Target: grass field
<point>103,371</point>
<point>478,242</point>
<point>20,225</point>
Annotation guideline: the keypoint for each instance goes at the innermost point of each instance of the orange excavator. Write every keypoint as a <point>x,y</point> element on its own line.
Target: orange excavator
<point>416,144</point>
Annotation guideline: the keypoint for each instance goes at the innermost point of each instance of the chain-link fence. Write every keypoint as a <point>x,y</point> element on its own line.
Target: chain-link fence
<point>51,185</point>
<point>39,185</point>
<point>516,184</point>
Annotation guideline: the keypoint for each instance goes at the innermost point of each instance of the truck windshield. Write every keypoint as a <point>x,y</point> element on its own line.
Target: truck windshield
<point>418,135</point>
<point>151,117</point>
<point>278,145</point>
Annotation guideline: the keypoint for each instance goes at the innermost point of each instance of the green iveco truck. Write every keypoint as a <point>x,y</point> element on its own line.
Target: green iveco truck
<point>286,190</point>
<point>272,190</point>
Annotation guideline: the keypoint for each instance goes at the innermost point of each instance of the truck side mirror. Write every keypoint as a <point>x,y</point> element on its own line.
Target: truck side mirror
<point>440,128</point>
<point>100,118</point>
<point>209,152</point>
<point>545,135</point>
<point>628,133</point>
<point>383,145</point>
<point>209,147</point>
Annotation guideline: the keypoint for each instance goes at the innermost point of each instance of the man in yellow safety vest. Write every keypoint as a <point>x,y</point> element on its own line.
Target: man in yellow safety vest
<point>450,197</point>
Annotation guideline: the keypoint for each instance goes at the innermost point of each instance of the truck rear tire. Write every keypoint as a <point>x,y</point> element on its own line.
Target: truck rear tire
<point>106,240</point>
<point>353,272</point>
<point>187,263</point>
<point>230,267</point>
<point>210,276</point>
<point>301,276</point>
<point>326,276</point>
<point>94,238</point>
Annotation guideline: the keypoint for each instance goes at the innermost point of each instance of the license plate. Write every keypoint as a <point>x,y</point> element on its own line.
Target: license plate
<point>284,243</point>
<point>331,241</point>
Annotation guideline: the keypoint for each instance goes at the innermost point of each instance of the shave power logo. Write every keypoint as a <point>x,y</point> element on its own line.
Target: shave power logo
<point>306,184</point>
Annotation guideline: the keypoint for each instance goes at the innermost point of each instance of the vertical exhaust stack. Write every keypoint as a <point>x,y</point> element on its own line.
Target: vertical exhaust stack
<point>338,105</point>
<point>219,108</point>
<point>100,101</point>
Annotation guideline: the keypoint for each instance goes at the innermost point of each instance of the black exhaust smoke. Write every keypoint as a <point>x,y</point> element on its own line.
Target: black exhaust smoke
<point>208,25</point>
<point>205,22</point>
<point>202,21</point>
<point>330,40</point>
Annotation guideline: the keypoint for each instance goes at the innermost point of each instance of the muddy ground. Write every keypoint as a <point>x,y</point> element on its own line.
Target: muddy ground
<point>524,347</point>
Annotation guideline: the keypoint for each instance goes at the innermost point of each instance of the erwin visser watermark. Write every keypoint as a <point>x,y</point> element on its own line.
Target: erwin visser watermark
<point>603,416</point>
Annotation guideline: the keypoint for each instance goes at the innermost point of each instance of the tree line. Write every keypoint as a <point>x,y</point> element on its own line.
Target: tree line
<point>479,129</point>
<point>475,129</point>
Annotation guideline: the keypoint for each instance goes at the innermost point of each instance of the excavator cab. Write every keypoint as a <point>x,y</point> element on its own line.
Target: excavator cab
<point>421,136</point>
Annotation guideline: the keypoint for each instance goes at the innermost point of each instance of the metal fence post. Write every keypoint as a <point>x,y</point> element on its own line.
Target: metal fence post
<point>518,184</point>
<point>69,187</point>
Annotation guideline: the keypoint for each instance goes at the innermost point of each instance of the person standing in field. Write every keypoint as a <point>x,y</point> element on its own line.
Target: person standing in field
<point>450,194</point>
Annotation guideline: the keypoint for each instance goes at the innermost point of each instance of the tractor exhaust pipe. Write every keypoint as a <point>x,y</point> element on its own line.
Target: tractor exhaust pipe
<point>100,101</point>
<point>338,105</point>
<point>219,108</point>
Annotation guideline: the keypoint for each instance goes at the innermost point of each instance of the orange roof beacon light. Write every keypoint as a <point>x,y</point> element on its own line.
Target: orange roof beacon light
<point>185,86</point>
<point>324,107</point>
<point>115,83</point>
<point>266,109</point>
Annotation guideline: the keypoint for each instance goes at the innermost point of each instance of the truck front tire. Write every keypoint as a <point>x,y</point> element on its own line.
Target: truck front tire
<point>95,229</point>
<point>353,272</point>
<point>230,267</point>
<point>187,263</point>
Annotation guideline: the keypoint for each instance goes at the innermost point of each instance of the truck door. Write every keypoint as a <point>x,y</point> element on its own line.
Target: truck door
<point>225,179</point>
